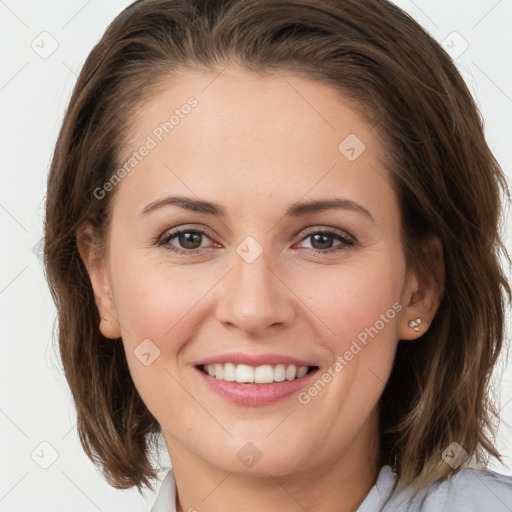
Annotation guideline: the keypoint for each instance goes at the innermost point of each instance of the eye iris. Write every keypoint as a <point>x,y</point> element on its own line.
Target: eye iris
<point>322,239</point>
<point>185,239</point>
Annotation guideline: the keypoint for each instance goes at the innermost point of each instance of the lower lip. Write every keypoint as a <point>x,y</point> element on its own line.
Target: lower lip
<point>256,394</point>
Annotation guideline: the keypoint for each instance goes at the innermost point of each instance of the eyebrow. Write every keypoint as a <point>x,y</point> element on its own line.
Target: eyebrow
<point>298,209</point>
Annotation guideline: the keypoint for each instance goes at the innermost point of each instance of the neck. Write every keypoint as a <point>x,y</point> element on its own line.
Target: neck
<point>338,483</point>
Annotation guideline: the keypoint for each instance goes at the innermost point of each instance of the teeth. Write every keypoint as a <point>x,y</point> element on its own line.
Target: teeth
<point>259,375</point>
<point>301,372</point>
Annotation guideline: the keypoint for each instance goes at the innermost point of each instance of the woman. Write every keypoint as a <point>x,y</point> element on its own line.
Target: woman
<point>272,235</point>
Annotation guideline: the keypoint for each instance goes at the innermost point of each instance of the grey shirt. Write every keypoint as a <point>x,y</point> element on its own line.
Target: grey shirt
<point>469,490</point>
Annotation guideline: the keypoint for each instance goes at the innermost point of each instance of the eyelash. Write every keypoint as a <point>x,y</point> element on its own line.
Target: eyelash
<point>348,241</point>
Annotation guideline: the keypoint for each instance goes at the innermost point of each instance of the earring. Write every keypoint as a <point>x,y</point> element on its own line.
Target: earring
<point>413,324</point>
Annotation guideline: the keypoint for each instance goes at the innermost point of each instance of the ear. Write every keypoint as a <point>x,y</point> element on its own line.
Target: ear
<point>98,274</point>
<point>423,294</point>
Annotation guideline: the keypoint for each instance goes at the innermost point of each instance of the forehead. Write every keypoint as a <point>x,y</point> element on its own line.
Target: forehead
<point>276,109</point>
<point>237,132</point>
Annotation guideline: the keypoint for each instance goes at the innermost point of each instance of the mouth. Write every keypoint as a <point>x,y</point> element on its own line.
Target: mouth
<point>254,386</point>
<point>258,375</point>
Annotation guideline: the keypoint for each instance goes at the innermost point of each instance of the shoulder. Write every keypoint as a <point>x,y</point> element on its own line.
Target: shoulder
<point>474,489</point>
<point>165,500</point>
<point>469,490</point>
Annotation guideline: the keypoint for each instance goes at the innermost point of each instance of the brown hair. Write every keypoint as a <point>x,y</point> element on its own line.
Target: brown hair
<point>447,180</point>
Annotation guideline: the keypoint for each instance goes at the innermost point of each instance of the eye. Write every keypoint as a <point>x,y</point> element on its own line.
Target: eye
<point>322,240</point>
<point>189,239</point>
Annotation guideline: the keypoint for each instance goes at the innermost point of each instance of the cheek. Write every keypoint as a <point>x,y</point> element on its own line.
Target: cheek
<point>156,300</point>
<point>363,309</point>
<point>351,299</point>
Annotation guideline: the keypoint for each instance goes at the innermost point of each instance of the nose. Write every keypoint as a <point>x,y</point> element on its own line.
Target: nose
<point>253,297</point>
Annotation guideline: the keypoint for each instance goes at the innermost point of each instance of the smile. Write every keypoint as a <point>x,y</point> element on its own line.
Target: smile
<point>245,386</point>
<point>265,374</point>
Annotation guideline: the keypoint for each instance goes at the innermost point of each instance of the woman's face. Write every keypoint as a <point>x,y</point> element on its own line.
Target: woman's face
<point>260,274</point>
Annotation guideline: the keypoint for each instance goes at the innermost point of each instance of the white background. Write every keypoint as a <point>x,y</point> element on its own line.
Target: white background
<point>35,404</point>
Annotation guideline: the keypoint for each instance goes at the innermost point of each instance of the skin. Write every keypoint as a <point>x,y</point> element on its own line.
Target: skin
<point>255,145</point>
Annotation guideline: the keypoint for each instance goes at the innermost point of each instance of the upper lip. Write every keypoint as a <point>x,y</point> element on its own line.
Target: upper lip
<point>254,359</point>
